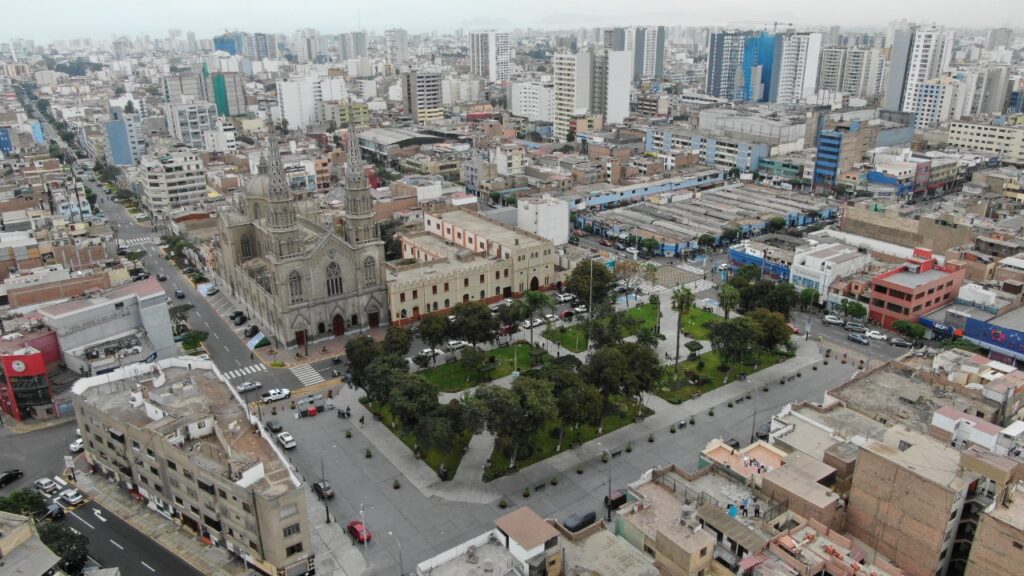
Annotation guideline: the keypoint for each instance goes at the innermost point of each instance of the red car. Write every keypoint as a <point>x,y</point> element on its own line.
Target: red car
<point>605,242</point>
<point>357,530</point>
<point>793,328</point>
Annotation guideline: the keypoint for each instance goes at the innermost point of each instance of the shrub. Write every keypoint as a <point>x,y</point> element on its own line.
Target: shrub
<point>711,412</point>
<point>554,480</point>
<point>526,492</point>
<point>692,420</point>
<point>650,437</point>
<point>730,404</point>
<point>503,503</point>
<point>579,469</point>
<point>396,484</point>
<point>672,429</point>
<point>348,433</point>
<point>369,453</point>
<point>277,364</point>
<point>629,446</point>
<point>700,364</point>
<point>604,457</point>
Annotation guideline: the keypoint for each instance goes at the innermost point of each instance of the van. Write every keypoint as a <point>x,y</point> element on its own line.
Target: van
<point>577,522</point>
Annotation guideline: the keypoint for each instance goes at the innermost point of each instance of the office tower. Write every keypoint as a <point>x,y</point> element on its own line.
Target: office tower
<point>572,89</point>
<point>265,45</point>
<point>397,41</point>
<point>353,45</point>
<point>648,52</point>
<point>307,45</point>
<point>613,38</point>
<point>999,38</point>
<point>187,122</point>
<point>489,55</point>
<point>227,91</point>
<point>611,81</point>
<point>185,87</point>
<point>126,138</point>
<point>227,43</point>
<point>795,67</point>
<point>725,60</point>
<point>916,55</point>
<point>421,96</point>
<point>192,45</point>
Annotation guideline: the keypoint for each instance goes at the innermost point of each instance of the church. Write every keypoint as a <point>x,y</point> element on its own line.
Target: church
<point>300,277</point>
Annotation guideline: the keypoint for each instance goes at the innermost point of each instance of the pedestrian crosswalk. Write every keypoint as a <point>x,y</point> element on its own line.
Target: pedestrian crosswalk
<point>244,371</point>
<point>307,375</point>
<point>138,241</point>
<point>698,286</point>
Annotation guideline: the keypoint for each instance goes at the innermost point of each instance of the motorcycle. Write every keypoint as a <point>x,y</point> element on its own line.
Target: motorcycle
<point>335,373</point>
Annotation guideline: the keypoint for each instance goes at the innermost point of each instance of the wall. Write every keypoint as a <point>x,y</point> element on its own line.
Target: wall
<point>40,293</point>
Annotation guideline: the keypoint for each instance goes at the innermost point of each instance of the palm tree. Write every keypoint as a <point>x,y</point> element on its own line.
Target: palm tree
<point>728,299</point>
<point>649,337</point>
<point>682,301</point>
<point>536,301</point>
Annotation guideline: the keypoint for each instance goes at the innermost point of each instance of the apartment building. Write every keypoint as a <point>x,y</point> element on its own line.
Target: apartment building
<point>533,100</point>
<point>174,180</point>
<point>489,55</point>
<point>999,540</point>
<point>795,67</point>
<point>1007,140</point>
<point>175,434</point>
<point>544,216</point>
<point>126,138</point>
<point>397,43</point>
<point>188,122</point>
<point>572,89</point>
<point>421,96</point>
<point>912,290</point>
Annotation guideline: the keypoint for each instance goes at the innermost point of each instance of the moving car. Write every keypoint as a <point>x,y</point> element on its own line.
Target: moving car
<point>45,485</point>
<point>858,338</point>
<point>77,446</point>
<point>428,353</point>
<point>9,476</point>
<point>605,242</point>
<point>856,327</point>
<point>286,440</point>
<point>323,490</point>
<point>275,394</point>
<point>161,277</point>
<point>901,343</point>
<point>212,291</point>
<point>876,335</point>
<point>454,345</point>
<point>71,497</point>
<point>833,320</point>
<point>563,298</point>
<point>357,530</point>
<point>248,386</point>
<point>179,294</point>
<point>792,328</point>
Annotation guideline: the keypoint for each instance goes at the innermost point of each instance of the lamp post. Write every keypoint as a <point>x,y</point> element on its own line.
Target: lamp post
<point>608,502</point>
<point>362,520</point>
<point>401,566</point>
<point>323,478</point>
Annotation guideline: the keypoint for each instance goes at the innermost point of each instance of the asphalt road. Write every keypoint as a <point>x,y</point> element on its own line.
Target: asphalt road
<point>113,542</point>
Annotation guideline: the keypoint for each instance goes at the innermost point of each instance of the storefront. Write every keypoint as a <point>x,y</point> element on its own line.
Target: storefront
<point>25,390</point>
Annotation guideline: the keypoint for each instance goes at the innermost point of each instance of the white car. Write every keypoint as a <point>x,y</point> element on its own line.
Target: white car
<point>71,496</point>
<point>286,440</point>
<point>551,318</point>
<point>46,485</point>
<point>876,335</point>
<point>275,395</point>
<point>248,386</point>
<point>632,250</point>
<point>454,345</point>
<point>563,298</point>
<point>833,320</point>
<point>429,353</point>
<point>580,309</point>
<point>77,446</point>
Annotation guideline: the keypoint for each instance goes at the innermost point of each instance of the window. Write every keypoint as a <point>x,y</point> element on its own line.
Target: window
<point>287,511</point>
<point>401,297</point>
<point>172,465</point>
<point>295,286</point>
<point>481,278</point>
<point>445,286</point>
<point>370,271</point>
<point>415,294</point>
<point>465,282</point>
<point>434,289</point>
<point>247,246</point>
<point>291,530</point>
<point>293,549</point>
<point>333,279</point>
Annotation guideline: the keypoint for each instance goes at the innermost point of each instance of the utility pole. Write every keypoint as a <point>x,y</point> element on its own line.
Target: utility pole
<point>323,478</point>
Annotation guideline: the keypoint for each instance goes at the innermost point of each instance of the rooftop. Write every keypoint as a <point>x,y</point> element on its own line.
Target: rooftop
<point>148,288</point>
<point>1013,512</point>
<point>605,554</point>
<point>663,512</point>
<point>488,228</point>
<point>526,528</point>
<point>924,455</point>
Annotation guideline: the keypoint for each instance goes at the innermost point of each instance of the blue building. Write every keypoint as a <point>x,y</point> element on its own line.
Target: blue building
<point>826,161</point>
<point>126,142</point>
<point>740,65</point>
<point>693,177</point>
<point>6,141</point>
<point>227,43</point>
<point>37,132</point>
<point>757,67</point>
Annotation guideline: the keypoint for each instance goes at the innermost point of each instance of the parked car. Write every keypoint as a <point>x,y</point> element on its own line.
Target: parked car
<point>71,497</point>
<point>357,530</point>
<point>876,335</point>
<point>429,353</point>
<point>77,446</point>
<point>454,345</point>
<point>566,314</point>
<point>856,327</point>
<point>286,440</point>
<point>792,328</point>
<point>763,431</point>
<point>212,291</point>
<point>605,242</point>
<point>235,314</point>
<point>273,426</point>
<point>161,277</point>
<point>632,250</point>
<point>858,338</point>
<point>551,318</point>
<point>563,298</point>
<point>901,343</point>
<point>275,394</point>
<point>620,246</point>
<point>833,320</point>
<point>323,490</point>
<point>52,512</point>
<point>239,320</point>
<point>140,276</point>
<point>179,294</point>
<point>46,486</point>
<point>251,331</point>
<point>577,522</point>
<point>733,443</point>
<point>248,386</point>
<point>582,308</point>
<point>9,476</point>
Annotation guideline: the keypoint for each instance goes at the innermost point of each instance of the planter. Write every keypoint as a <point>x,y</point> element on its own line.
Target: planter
<point>526,492</point>
<point>503,503</point>
<point>730,404</point>
<point>650,437</point>
<point>348,433</point>
<point>629,446</point>
<point>693,420</point>
<point>672,429</point>
<point>369,453</point>
<point>764,388</point>
<point>604,457</point>
<point>396,484</point>
<point>579,469</point>
<point>554,480</point>
<point>711,412</point>
<point>815,368</point>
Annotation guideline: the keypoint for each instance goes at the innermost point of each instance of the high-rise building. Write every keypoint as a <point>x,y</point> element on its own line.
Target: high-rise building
<point>613,38</point>
<point>185,87</point>
<point>227,91</point>
<point>999,38</point>
<point>187,122</point>
<point>227,43</point>
<point>421,96</point>
<point>725,60</point>
<point>174,180</point>
<point>611,81</point>
<point>307,45</point>
<point>916,56</point>
<point>854,71</point>
<point>648,52</point>
<point>794,67</point>
<point>489,55</point>
<point>594,81</point>
<point>572,73</point>
<point>397,41</point>
<point>830,68</point>
<point>353,45</point>
<point>265,45</point>
<point>126,138</point>
<point>532,100</point>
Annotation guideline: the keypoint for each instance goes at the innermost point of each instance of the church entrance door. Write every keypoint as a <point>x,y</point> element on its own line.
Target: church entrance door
<point>338,325</point>
<point>374,319</point>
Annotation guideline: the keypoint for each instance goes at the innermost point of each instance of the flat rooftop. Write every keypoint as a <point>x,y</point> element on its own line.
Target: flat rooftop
<point>605,554</point>
<point>489,229</point>
<point>912,280</point>
<point>744,461</point>
<point>663,515</point>
<point>922,454</point>
<point>1013,514</point>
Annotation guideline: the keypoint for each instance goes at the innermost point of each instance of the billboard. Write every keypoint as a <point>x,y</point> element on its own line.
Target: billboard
<point>991,336</point>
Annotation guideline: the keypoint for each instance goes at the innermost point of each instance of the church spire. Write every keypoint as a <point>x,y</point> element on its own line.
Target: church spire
<point>278,186</point>
<point>359,226</point>
<point>355,174</point>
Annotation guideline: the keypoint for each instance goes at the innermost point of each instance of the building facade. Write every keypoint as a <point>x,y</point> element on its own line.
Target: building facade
<point>1007,140</point>
<point>126,139</point>
<point>489,55</point>
<point>189,122</point>
<point>172,181</point>
<point>913,290</point>
<point>421,96</point>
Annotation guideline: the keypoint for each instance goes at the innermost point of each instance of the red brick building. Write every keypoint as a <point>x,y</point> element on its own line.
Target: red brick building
<point>915,289</point>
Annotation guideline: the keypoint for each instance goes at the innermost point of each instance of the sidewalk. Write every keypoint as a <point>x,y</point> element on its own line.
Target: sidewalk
<point>33,425</point>
<point>179,541</point>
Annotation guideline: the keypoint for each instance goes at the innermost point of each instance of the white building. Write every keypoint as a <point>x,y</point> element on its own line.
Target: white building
<point>489,55</point>
<point>595,81</point>
<point>795,71</point>
<point>187,122</point>
<point>936,101</point>
<point>299,99</point>
<point>612,83</point>
<point>818,266</point>
<point>220,138</point>
<point>572,89</point>
<point>546,217</point>
<point>397,41</point>
<point>1006,140</point>
<point>648,47</point>
<point>533,100</point>
<point>917,56</point>
<point>172,181</point>
<point>510,159</point>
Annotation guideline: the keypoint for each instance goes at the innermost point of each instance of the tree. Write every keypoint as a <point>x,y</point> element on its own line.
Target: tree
<point>383,375</point>
<point>651,245</point>
<point>735,339</point>
<point>433,331</point>
<point>855,309</point>
<point>25,502</point>
<point>473,360</point>
<point>179,313</point>
<point>909,329</point>
<point>412,398</point>
<point>129,108</point>
<point>608,331</point>
<point>536,302</point>
<point>474,322</point>
<point>745,276</point>
<point>682,301</point>
<point>193,339</point>
<point>781,298</point>
<point>515,414</point>
<point>579,284</point>
<point>71,546</point>
<point>578,403</point>
<point>649,337</point>
<point>774,330</point>
<point>728,299</point>
<point>730,234</point>
<point>361,351</point>
<point>808,297</point>
<point>776,223</point>
<point>643,370</point>
<point>628,273</point>
<point>607,371</point>
<point>397,340</point>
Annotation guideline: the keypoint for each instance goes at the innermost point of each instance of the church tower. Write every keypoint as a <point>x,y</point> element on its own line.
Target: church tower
<point>359,225</point>
<point>284,239</point>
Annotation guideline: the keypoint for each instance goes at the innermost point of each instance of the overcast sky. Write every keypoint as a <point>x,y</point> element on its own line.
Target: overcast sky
<point>45,20</point>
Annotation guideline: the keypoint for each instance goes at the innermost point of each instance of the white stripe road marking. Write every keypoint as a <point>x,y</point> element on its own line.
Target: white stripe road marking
<point>119,547</point>
<point>217,336</point>
<point>83,521</point>
<point>227,349</point>
<point>147,566</point>
<point>307,375</point>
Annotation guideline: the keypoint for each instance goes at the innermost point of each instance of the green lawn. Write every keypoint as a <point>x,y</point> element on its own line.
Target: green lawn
<point>431,456</point>
<point>574,338</point>
<point>545,440</point>
<point>695,323</point>
<point>710,375</point>
<point>452,376</point>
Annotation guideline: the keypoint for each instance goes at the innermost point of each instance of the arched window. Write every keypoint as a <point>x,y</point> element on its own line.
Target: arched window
<point>256,211</point>
<point>247,246</point>
<point>295,286</point>
<point>370,271</point>
<point>333,279</point>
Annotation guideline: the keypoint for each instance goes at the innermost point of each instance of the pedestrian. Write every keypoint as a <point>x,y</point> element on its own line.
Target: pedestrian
<point>757,511</point>
<point>746,461</point>
<point>361,419</point>
<point>744,510</point>
<point>251,356</point>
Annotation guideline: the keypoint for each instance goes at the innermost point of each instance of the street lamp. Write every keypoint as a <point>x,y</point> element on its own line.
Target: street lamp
<point>362,521</point>
<point>323,478</point>
<point>608,502</point>
<point>401,567</point>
